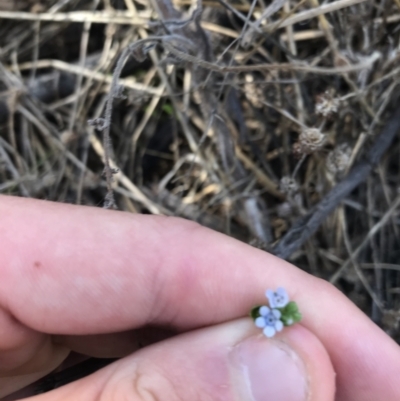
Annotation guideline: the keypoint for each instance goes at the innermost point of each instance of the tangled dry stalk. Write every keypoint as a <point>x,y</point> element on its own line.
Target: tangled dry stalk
<point>278,126</point>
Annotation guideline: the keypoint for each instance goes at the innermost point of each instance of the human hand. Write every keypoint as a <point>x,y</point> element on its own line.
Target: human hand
<point>69,275</point>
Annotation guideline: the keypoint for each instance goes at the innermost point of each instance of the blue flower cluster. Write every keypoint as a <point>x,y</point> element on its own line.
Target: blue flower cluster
<point>280,312</point>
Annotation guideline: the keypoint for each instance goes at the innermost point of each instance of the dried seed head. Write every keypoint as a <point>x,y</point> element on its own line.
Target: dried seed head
<point>338,160</point>
<point>327,104</point>
<point>288,185</point>
<point>253,92</point>
<point>310,140</point>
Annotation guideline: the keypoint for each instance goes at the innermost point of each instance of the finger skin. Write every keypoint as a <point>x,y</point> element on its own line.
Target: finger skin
<point>199,366</point>
<point>113,345</point>
<point>80,270</point>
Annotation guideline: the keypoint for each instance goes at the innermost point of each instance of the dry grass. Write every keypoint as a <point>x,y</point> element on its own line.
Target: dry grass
<point>245,124</point>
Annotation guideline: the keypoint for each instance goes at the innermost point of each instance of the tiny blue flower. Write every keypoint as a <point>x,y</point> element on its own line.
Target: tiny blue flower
<point>269,321</point>
<point>278,298</point>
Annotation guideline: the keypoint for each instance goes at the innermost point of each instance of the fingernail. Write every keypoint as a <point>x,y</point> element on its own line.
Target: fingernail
<point>269,370</point>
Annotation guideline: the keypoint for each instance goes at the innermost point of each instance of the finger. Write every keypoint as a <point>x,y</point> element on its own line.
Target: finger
<point>86,270</point>
<point>113,345</point>
<point>229,362</point>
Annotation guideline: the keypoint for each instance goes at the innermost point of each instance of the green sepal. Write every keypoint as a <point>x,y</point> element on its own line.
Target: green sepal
<point>255,312</point>
<point>297,317</point>
<point>286,320</point>
<point>290,308</point>
<point>290,314</point>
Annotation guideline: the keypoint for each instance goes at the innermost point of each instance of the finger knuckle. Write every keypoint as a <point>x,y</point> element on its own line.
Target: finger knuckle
<point>150,384</point>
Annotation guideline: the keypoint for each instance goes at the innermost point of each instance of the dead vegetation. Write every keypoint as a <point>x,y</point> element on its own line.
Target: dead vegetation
<point>274,122</point>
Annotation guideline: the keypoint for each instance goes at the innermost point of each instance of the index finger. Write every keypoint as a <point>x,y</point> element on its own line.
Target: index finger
<point>77,270</point>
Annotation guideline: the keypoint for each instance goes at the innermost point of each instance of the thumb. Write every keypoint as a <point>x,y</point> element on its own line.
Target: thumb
<point>228,362</point>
